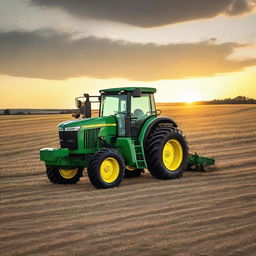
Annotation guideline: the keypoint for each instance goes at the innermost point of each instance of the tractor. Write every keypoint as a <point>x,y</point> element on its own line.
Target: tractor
<point>127,137</point>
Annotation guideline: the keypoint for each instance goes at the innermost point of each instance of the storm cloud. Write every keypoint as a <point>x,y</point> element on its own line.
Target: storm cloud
<point>150,13</point>
<point>50,55</point>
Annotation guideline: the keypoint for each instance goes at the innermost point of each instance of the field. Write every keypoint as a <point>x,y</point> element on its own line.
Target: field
<point>204,213</point>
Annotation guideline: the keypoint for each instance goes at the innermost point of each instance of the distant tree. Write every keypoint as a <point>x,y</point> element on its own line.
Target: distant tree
<point>29,113</point>
<point>236,100</point>
<point>20,113</point>
<point>6,112</point>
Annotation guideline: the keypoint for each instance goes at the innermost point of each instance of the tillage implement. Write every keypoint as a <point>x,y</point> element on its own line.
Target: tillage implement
<point>127,137</point>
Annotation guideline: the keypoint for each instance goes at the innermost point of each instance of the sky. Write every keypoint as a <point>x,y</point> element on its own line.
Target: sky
<point>52,51</point>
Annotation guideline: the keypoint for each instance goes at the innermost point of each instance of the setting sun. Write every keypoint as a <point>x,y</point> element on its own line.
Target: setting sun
<point>189,96</point>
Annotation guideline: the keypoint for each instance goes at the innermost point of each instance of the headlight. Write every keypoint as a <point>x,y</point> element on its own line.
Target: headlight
<point>61,129</point>
<point>72,129</point>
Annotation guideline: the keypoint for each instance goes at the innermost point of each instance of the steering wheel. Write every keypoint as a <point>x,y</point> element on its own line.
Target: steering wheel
<point>119,112</point>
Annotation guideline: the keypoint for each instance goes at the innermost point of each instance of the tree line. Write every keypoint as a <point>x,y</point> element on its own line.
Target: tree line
<point>236,100</point>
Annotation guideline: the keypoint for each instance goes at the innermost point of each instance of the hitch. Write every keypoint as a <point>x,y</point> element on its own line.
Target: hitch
<point>197,163</point>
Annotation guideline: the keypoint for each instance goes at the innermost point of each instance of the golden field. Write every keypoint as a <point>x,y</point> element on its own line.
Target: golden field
<point>203,213</point>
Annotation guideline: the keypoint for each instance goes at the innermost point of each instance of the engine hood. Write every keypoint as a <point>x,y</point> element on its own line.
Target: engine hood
<point>90,122</point>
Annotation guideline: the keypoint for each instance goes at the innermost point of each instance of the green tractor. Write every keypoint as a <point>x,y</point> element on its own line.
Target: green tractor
<point>127,137</point>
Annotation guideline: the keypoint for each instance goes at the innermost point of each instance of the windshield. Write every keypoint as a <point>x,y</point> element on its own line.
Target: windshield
<point>113,104</point>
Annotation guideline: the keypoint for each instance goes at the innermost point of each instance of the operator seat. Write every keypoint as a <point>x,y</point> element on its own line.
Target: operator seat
<point>138,113</point>
<point>137,122</point>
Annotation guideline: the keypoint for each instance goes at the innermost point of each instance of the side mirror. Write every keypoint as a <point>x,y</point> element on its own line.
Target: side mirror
<point>136,93</point>
<point>78,103</point>
<point>84,107</point>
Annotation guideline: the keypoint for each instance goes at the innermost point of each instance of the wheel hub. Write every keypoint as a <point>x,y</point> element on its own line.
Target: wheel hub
<point>172,155</point>
<point>167,153</point>
<point>109,170</point>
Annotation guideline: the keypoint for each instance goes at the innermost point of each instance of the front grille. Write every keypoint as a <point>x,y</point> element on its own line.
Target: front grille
<point>90,138</point>
<point>68,139</point>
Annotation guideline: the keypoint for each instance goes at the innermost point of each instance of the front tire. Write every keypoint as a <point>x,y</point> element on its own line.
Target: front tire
<point>106,168</point>
<point>57,175</point>
<point>167,153</point>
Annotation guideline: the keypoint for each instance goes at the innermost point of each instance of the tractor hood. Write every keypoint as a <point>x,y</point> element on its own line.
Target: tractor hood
<point>89,123</point>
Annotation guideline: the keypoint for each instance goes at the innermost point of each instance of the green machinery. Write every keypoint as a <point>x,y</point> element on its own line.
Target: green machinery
<point>127,137</point>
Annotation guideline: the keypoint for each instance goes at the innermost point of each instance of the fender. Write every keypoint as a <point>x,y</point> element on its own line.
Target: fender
<point>151,123</point>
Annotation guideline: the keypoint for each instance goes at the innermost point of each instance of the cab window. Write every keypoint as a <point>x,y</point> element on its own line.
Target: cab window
<point>113,104</point>
<point>141,107</point>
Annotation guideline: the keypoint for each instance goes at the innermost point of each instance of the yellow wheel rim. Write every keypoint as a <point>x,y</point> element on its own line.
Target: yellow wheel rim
<point>130,168</point>
<point>172,155</point>
<point>109,169</point>
<point>68,174</point>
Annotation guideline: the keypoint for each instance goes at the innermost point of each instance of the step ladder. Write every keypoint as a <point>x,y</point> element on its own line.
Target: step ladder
<point>140,156</point>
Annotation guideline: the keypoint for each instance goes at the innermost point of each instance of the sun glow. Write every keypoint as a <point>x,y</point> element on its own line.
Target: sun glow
<point>190,96</point>
<point>184,90</point>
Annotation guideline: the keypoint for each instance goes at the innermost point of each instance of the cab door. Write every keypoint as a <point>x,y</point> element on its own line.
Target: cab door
<point>141,108</point>
<point>115,105</point>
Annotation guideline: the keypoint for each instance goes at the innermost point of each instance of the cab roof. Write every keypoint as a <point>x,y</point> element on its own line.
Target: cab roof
<point>129,89</point>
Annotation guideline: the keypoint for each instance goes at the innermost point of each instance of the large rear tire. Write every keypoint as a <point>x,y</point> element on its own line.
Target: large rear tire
<point>57,175</point>
<point>166,153</point>
<point>106,168</point>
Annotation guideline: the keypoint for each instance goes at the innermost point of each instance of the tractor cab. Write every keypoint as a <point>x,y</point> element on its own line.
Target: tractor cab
<point>130,106</point>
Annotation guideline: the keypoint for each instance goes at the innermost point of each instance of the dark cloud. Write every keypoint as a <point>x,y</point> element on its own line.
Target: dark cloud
<point>150,13</point>
<point>49,55</point>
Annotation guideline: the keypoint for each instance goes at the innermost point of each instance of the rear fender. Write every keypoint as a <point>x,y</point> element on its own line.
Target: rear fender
<point>152,123</point>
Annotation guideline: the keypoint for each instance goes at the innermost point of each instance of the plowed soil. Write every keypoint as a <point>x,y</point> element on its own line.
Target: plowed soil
<point>203,213</point>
